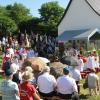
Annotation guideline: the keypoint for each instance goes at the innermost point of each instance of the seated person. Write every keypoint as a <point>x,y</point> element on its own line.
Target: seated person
<point>46,83</point>
<point>8,89</point>
<point>27,90</point>
<point>66,86</point>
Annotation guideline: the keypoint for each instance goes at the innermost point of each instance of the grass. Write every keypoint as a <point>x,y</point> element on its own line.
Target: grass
<point>86,92</point>
<point>83,91</point>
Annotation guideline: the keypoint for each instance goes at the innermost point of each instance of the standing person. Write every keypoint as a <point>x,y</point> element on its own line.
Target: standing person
<point>3,44</point>
<point>93,82</point>
<point>81,63</point>
<point>16,73</point>
<point>9,89</point>
<point>10,50</point>
<point>96,57</point>
<point>90,61</point>
<point>27,90</point>
<point>77,76</point>
<point>46,83</point>
<point>66,86</point>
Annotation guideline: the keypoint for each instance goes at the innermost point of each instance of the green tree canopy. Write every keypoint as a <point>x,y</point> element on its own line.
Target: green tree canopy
<point>3,11</point>
<point>7,25</point>
<point>18,12</point>
<point>50,13</point>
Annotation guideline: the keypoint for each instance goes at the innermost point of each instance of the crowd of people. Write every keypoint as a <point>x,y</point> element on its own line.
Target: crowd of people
<point>27,76</point>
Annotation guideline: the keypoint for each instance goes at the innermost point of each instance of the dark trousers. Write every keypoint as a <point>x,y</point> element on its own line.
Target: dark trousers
<point>65,96</point>
<point>51,94</point>
<point>73,96</point>
<point>78,87</point>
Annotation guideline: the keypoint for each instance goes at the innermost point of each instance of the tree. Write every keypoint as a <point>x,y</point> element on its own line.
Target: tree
<point>50,13</point>
<point>3,11</point>
<point>7,25</point>
<point>30,25</point>
<point>18,12</point>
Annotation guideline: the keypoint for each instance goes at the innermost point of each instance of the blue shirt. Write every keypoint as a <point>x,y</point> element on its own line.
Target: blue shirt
<point>9,89</point>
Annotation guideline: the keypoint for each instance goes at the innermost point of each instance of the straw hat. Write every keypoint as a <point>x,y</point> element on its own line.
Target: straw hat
<point>28,68</point>
<point>27,76</point>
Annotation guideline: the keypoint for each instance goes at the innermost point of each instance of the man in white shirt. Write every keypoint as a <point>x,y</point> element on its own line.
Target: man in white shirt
<point>93,82</point>
<point>66,86</point>
<point>46,83</point>
<point>77,76</point>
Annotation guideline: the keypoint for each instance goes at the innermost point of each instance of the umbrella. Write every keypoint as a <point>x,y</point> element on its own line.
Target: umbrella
<point>69,60</point>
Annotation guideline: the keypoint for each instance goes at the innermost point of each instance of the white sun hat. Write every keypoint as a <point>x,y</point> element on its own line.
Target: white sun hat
<point>45,60</point>
<point>14,68</point>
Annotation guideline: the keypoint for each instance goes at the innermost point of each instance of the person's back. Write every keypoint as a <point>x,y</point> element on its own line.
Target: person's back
<point>9,89</point>
<point>65,85</point>
<point>27,90</point>
<point>76,74</point>
<point>92,80</point>
<point>46,83</point>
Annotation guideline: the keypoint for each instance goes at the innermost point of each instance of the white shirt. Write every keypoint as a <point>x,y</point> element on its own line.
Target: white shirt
<point>66,85</point>
<point>81,64</point>
<point>92,80</point>
<point>91,62</point>
<point>46,83</point>
<point>97,62</point>
<point>11,51</point>
<point>76,74</point>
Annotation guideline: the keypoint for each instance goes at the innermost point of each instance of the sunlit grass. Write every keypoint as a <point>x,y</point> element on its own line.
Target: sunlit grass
<point>86,92</point>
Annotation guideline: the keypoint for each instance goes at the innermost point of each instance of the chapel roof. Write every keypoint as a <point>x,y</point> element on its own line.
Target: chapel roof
<point>94,4</point>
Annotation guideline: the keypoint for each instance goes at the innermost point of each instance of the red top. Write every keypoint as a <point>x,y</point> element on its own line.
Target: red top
<point>26,91</point>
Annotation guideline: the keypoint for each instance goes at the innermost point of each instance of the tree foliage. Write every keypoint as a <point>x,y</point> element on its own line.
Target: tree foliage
<point>7,25</point>
<point>30,25</point>
<point>3,11</point>
<point>50,13</point>
<point>18,12</point>
<point>11,16</point>
<point>17,16</point>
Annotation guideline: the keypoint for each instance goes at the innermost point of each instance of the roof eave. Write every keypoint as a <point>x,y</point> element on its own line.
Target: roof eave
<point>92,8</point>
<point>65,12</point>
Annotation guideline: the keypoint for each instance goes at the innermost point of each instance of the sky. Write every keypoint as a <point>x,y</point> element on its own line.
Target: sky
<point>33,5</point>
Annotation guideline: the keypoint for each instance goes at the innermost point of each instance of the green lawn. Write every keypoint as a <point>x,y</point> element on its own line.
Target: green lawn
<point>85,93</point>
